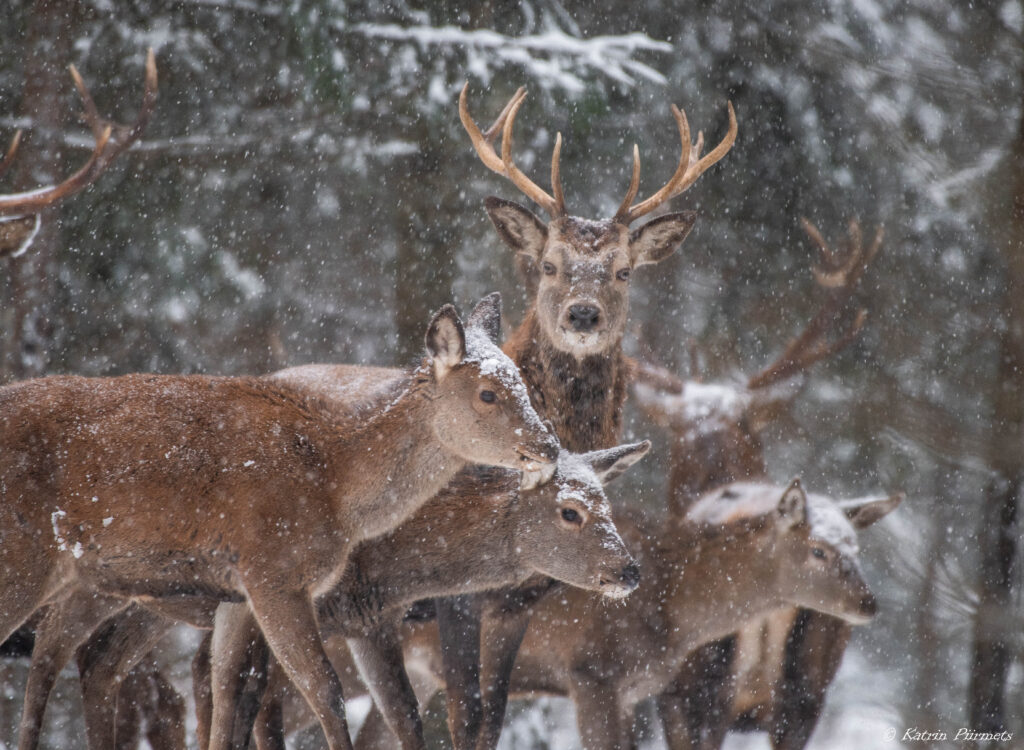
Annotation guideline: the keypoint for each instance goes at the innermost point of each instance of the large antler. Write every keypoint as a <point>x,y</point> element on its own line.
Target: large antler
<point>839,274</point>
<point>103,154</point>
<point>691,166</point>
<point>503,165</point>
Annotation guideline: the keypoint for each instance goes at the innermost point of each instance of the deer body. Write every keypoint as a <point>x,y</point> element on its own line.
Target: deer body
<point>233,488</point>
<point>701,579</point>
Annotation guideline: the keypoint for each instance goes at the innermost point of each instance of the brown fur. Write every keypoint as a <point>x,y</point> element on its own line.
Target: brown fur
<point>699,581</point>
<point>782,688</point>
<point>577,379</point>
<point>158,486</point>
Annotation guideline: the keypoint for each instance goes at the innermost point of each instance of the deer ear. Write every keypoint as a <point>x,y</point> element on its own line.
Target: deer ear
<point>487,317</point>
<point>793,505</point>
<point>658,239</point>
<point>517,226</point>
<point>446,341</point>
<point>613,462</point>
<point>864,512</point>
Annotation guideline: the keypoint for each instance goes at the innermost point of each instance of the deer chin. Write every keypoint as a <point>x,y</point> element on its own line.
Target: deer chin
<point>584,343</point>
<point>615,590</point>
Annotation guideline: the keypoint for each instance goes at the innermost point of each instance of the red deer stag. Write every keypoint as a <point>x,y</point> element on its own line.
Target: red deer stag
<point>746,549</point>
<point>568,348</point>
<point>779,667</point>
<point>165,487</point>
<point>19,212</point>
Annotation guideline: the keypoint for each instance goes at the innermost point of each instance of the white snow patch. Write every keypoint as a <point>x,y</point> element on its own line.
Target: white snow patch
<point>107,521</point>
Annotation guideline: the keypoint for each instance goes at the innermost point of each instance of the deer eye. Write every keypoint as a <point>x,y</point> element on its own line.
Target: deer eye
<point>623,274</point>
<point>548,268</point>
<point>488,397</point>
<point>570,516</point>
<point>818,552</point>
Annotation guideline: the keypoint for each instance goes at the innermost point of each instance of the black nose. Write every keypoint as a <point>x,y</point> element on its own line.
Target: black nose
<point>583,317</point>
<point>630,575</point>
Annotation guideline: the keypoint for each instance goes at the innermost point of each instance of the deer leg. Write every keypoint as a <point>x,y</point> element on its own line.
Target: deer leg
<point>458,621</point>
<point>814,650</point>
<point>380,662</point>
<point>65,626</point>
<point>288,622</point>
<point>234,633</point>
<point>202,694</point>
<point>375,733</point>
<point>105,662</point>
<point>166,724</point>
<point>671,708</point>
<point>598,715</point>
<point>501,636</point>
<point>268,729</point>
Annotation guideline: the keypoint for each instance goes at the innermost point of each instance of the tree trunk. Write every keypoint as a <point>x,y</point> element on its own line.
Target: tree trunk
<point>998,535</point>
<point>29,339</point>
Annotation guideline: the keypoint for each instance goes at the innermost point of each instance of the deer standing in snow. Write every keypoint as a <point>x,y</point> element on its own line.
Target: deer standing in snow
<point>569,350</point>
<point>19,212</point>
<point>159,488</point>
<point>743,551</point>
<point>772,674</point>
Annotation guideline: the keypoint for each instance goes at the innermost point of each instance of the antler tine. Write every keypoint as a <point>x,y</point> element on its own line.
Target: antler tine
<point>519,179</point>
<point>499,124</point>
<point>556,176</point>
<point>504,165</point>
<point>689,169</point>
<point>101,158</point>
<point>634,188</point>
<point>813,344</point>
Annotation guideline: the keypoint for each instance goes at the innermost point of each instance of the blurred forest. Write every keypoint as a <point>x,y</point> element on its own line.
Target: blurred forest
<point>306,193</point>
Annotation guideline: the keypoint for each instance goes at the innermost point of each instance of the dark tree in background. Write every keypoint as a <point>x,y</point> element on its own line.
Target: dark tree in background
<point>306,193</point>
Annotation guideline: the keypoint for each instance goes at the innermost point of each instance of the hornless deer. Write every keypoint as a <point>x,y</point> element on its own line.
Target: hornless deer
<point>19,212</point>
<point>568,348</point>
<point>451,545</point>
<point>746,549</point>
<point>168,487</point>
<point>454,545</point>
<point>780,667</point>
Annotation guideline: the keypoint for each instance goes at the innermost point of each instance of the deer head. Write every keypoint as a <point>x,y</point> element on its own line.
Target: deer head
<point>717,426</point>
<point>565,526</point>
<point>19,212</point>
<point>811,543</point>
<point>481,404</point>
<point>583,266</point>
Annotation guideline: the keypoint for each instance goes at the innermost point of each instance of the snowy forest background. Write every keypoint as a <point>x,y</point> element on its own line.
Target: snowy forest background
<point>305,193</point>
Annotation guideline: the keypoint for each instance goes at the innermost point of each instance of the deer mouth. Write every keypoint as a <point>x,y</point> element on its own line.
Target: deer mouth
<point>615,589</point>
<point>531,460</point>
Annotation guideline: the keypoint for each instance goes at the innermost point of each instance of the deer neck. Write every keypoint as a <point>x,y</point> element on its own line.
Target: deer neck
<point>700,468</point>
<point>394,462</point>
<point>717,579</point>
<point>582,397</point>
<point>455,544</point>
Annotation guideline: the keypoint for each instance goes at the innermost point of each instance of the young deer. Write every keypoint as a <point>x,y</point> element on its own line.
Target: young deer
<point>19,212</point>
<point>453,545</point>
<point>568,347</point>
<point>781,666</point>
<point>745,550</point>
<point>157,487</point>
